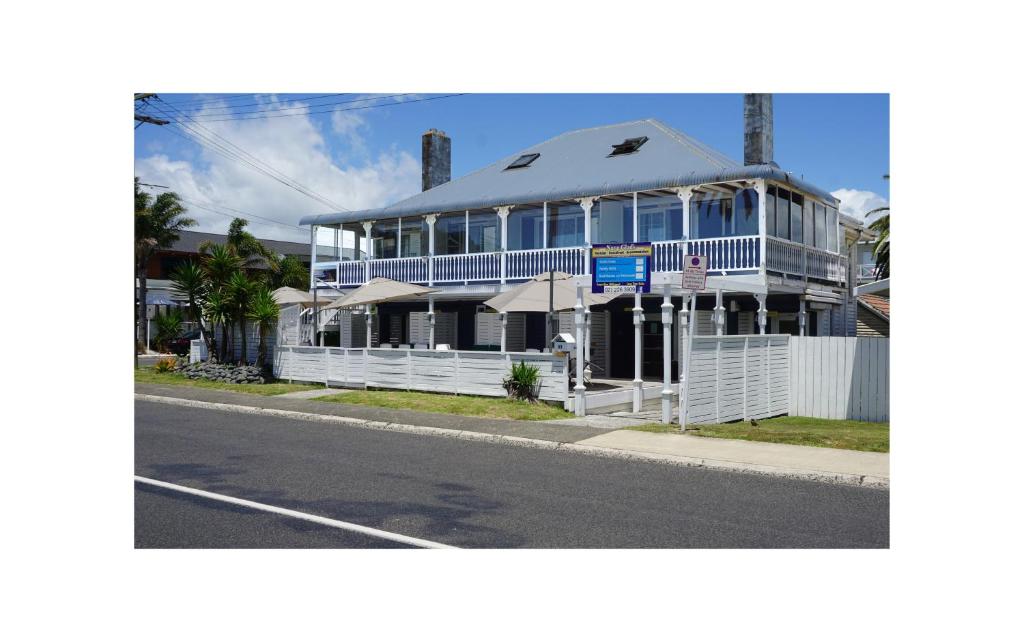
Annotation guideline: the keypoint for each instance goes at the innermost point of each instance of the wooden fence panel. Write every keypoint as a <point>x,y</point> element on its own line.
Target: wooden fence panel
<point>738,377</point>
<point>839,377</point>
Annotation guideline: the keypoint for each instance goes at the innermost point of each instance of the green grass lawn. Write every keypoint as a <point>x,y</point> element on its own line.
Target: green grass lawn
<point>491,407</point>
<point>803,431</point>
<point>150,375</point>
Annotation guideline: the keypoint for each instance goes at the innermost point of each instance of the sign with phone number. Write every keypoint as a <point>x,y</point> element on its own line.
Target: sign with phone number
<point>621,268</point>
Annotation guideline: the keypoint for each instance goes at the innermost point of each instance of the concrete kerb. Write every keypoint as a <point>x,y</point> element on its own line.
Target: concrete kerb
<point>866,481</point>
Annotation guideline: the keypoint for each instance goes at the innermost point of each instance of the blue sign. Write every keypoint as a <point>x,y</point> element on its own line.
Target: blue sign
<point>621,267</point>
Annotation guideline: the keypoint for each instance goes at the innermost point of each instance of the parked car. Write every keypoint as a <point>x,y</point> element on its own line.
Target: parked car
<point>182,344</point>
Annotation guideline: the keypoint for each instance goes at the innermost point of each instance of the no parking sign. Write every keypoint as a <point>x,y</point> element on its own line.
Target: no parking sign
<point>695,272</point>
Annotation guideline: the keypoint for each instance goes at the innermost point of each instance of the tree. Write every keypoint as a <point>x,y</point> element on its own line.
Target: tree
<point>157,224</point>
<point>290,273</point>
<point>881,247</point>
<point>263,311</point>
<point>190,281</point>
<point>218,311</point>
<point>240,290</point>
<point>249,249</point>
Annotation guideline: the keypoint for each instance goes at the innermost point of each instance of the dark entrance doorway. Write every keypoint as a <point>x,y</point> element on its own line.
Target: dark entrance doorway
<point>620,321</point>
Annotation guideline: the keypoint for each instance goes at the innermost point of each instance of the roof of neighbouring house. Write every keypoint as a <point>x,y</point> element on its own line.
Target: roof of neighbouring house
<point>877,304</point>
<point>577,164</point>
<point>189,242</point>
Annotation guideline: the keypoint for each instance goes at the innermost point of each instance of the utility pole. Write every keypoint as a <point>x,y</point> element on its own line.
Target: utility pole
<point>143,118</point>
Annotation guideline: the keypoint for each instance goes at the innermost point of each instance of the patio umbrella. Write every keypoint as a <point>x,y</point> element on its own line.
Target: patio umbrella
<point>291,296</point>
<point>533,295</point>
<point>379,290</point>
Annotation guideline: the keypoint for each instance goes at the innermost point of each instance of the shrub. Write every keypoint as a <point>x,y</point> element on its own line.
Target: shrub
<point>523,382</point>
<point>168,326</point>
<point>167,364</point>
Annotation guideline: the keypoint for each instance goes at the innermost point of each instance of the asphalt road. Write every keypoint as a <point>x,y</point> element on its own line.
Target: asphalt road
<point>461,493</point>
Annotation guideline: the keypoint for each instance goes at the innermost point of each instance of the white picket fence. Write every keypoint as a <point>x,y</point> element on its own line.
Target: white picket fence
<point>452,371</point>
<point>738,377</point>
<point>840,378</point>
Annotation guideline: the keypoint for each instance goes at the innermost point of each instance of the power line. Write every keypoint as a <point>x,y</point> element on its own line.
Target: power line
<point>282,107</point>
<point>331,111</point>
<point>234,152</point>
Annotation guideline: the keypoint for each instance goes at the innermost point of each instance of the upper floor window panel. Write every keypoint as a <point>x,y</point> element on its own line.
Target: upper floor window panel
<point>523,161</point>
<point>628,146</point>
<point>526,228</point>
<point>659,218</point>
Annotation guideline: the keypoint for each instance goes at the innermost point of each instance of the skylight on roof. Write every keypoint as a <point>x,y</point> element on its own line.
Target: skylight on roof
<point>628,146</point>
<point>523,161</point>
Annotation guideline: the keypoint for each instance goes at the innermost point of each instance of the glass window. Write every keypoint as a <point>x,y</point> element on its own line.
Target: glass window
<point>415,237</point>
<point>819,225</point>
<point>385,239</point>
<point>796,218</point>
<point>484,232</point>
<point>450,234</point>
<point>831,229</point>
<point>745,213</point>
<point>782,213</point>
<point>526,228</point>
<point>659,218</point>
<point>613,222</point>
<point>709,217</point>
<point>808,231</point>
<point>770,211</point>
<point>565,225</point>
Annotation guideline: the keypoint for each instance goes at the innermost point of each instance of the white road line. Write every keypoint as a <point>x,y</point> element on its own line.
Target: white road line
<point>326,521</point>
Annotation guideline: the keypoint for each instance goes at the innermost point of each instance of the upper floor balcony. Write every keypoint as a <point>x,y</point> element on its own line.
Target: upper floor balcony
<point>741,229</point>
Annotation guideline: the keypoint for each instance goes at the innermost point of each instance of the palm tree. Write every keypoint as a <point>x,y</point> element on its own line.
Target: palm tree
<point>881,248</point>
<point>249,249</point>
<point>290,273</point>
<point>218,311</point>
<point>157,224</point>
<point>240,289</point>
<point>263,311</point>
<point>190,281</point>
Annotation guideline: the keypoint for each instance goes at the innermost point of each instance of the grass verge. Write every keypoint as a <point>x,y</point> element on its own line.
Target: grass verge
<point>490,407</point>
<point>802,431</point>
<point>150,375</point>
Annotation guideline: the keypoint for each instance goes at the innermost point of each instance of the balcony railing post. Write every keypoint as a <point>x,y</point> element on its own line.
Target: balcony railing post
<point>503,217</point>
<point>430,219</point>
<point>367,226</point>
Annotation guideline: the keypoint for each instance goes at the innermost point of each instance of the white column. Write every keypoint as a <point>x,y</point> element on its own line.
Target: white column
<point>762,312</point>
<point>430,318</point>
<point>369,327</point>
<point>636,221</point>
<point>685,194</point>
<point>586,347</point>
<point>504,331</point>
<point>503,217</point>
<point>762,223</point>
<point>587,204</point>
<point>666,351</point>
<point>719,313</point>
<point>580,389</point>
<point>312,256</point>
<point>430,219</point>
<point>638,381</point>
<point>687,319</point>
<point>544,225</point>
<point>398,240</point>
<point>367,227</point>
<point>802,317</point>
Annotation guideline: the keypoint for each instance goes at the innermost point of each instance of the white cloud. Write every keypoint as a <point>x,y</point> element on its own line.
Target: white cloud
<point>857,203</point>
<point>295,147</point>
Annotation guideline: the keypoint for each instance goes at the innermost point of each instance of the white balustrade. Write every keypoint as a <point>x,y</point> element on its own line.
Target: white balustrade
<point>526,264</point>
<point>408,270</point>
<point>724,254</point>
<point>484,266</point>
<point>797,259</point>
<point>351,272</point>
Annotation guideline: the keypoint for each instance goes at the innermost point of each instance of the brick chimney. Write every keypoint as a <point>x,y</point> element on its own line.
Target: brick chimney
<point>758,137</point>
<point>437,159</point>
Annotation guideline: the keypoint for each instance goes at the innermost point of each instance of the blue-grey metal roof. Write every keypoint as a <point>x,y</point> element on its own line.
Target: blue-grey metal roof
<point>576,164</point>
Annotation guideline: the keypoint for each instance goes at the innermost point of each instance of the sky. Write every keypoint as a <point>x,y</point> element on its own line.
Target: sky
<point>359,151</point>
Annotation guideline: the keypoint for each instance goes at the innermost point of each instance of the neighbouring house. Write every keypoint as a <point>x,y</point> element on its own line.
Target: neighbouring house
<point>872,315</point>
<point>782,258</point>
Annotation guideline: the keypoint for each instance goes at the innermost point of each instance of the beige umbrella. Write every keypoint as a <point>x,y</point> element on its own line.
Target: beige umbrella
<point>291,296</point>
<point>533,295</point>
<point>379,290</point>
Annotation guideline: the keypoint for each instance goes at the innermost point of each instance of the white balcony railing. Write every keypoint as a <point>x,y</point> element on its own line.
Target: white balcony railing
<point>797,259</point>
<point>725,255</point>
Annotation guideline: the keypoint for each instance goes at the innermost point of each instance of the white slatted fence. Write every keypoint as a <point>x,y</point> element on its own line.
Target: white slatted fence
<point>840,378</point>
<point>738,377</point>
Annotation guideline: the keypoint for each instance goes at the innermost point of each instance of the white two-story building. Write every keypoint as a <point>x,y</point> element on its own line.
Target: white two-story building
<point>782,259</point>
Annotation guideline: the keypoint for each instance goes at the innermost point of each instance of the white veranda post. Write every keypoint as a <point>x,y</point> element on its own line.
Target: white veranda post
<point>503,218</point>
<point>504,331</point>
<point>580,389</point>
<point>638,381</point>
<point>430,318</point>
<point>686,326</point>
<point>802,317</point>
<point>666,349</point>
<point>719,314</point>
<point>430,219</point>
<point>762,312</point>
<point>367,228</point>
